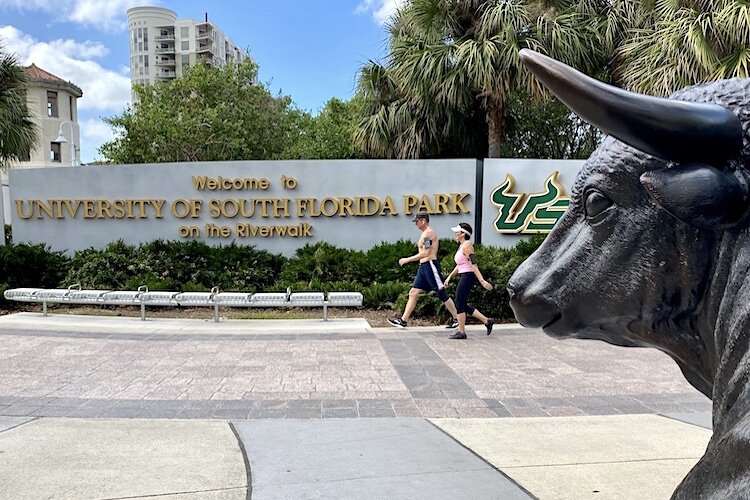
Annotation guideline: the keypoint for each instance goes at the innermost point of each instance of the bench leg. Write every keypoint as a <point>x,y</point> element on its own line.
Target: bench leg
<point>143,311</point>
<point>325,312</point>
<point>44,308</point>
<point>216,313</point>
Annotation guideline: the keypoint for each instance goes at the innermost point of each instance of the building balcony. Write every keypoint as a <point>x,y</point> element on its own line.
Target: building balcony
<point>168,75</point>
<point>164,61</point>
<point>205,48</point>
<point>164,38</point>
<point>204,34</point>
<point>165,50</point>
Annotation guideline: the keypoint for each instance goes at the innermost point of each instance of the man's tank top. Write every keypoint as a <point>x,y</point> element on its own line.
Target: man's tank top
<point>462,261</point>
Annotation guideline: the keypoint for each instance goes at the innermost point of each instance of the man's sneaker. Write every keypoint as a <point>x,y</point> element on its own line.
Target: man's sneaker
<point>458,336</point>
<point>398,322</point>
<point>454,324</point>
<point>489,325</point>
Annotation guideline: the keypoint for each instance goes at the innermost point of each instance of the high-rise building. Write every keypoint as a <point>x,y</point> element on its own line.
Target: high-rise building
<point>162,47</point>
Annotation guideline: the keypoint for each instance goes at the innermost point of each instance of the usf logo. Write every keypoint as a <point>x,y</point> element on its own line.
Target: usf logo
<point>528,213</point>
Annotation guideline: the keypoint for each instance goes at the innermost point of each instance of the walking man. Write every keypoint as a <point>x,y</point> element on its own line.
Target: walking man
<point>428,273</point>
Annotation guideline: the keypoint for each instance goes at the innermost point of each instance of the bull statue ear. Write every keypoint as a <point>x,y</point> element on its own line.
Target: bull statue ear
<point>698,194</point>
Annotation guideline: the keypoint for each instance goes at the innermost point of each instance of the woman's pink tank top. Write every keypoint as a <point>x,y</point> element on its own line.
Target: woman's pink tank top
<point>462,261</point>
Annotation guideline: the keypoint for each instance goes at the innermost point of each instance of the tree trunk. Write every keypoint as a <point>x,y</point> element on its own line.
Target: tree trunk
<point>495,127</point>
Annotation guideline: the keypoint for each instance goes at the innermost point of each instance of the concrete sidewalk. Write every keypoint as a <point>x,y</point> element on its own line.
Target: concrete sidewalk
<point>121,408</point>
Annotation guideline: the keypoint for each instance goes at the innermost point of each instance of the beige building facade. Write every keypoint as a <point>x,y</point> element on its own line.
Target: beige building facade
<point>162,47</point>
<point>53,106</point>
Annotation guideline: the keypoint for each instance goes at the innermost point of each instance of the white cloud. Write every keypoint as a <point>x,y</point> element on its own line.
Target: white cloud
<point>381,10</point>
<point>104,15</point>
<point>109,14</point>
<point>103,89</point>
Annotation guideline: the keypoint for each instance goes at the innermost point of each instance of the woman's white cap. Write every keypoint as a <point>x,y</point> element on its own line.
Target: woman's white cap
<point>459,229</point>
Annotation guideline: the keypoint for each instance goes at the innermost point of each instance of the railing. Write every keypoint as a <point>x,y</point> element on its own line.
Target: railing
<point>165,62</point>
<point>143,297</point>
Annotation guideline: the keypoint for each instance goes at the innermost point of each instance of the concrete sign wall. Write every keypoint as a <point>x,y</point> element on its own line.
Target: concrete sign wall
<point>278,206</point>
<point>282,205</point>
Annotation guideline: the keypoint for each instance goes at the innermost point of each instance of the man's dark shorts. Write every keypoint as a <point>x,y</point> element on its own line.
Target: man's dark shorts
<point>428,279</point>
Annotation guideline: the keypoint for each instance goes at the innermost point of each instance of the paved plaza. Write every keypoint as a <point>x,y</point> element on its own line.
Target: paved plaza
<point>122,408</point>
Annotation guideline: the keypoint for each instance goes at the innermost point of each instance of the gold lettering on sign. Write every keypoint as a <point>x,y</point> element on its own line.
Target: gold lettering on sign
<point>202,183</point>
<point>439,203</point>
<point>265,207</point>
<point>344,206</point>
<point>90,209</point>
<point>302,230</point>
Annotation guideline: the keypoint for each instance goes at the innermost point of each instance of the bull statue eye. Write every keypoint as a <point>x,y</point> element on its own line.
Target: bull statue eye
<point>596,203</point>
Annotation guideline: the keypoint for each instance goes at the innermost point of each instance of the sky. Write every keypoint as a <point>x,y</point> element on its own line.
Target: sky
<point>310,51</point>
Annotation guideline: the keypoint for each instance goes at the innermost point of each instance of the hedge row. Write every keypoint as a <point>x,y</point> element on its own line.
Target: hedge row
<point>194,266</point>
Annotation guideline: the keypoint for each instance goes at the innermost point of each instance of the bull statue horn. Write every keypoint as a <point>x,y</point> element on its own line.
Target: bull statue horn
<point>679,131</point>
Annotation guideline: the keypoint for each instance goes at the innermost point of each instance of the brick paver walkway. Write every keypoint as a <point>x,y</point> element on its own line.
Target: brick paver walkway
<point>385,373</point>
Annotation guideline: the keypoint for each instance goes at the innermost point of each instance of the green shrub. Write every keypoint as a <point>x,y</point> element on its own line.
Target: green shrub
<point>324,262</point>
<point>174,265</point>
<point>30,266</point>
<point>109,268</point>
<point>383,295</point>
<point>382,262</point>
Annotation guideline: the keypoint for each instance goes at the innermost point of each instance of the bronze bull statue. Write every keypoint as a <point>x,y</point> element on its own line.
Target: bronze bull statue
<point>654,249</point>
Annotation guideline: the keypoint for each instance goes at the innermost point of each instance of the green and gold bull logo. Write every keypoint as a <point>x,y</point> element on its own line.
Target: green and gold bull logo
<point>528,213</point>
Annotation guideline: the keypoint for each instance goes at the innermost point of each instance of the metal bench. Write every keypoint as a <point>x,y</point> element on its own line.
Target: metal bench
<point>143,297</point>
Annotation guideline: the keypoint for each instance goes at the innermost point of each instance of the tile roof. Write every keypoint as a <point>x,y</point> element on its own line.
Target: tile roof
<point>37,74</point>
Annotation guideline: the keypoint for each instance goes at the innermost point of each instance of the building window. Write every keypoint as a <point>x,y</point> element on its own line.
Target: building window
<point>185,45</point>
<point>70,104</point>
<point>52,104</point>
<point>54,152</point>
<point>184,32</point>
<point>185,60</point>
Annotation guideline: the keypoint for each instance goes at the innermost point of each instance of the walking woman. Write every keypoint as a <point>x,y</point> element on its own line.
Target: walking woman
<point>468,276</point>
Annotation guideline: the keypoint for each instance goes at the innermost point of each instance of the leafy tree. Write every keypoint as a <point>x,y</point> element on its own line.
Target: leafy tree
<point>684,43</point>
<point>328,135</point>
<point>207,114</point>
<point>546,129</point>
<point>450,61</point>
<point>17,129</point>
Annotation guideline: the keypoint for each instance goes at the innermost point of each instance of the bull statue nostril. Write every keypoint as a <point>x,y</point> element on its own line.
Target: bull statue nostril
<point>531,311</point>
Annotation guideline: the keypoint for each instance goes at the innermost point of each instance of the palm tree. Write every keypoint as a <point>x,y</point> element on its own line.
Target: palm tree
<point>451,58</point>
<point>17,130</point>
<point>684,43</point>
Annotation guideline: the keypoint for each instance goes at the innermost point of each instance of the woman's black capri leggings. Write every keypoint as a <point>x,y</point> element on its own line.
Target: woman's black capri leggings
<point>466,282</point>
